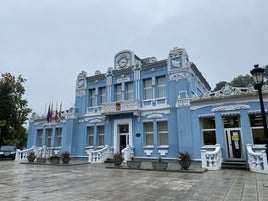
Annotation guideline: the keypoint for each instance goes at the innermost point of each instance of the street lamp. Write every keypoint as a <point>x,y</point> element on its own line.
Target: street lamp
<point>258,77</point>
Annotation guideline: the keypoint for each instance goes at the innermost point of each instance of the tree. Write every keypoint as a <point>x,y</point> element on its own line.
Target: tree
<point>220,85</point>
<point>242,81</point>
<point>13,110</point>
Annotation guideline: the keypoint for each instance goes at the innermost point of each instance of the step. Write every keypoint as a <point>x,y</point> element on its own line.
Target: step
<point>235,165</point>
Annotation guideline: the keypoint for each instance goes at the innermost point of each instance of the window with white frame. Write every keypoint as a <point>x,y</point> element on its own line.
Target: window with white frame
<point>92,97</point>
<point>102,95</point>
<point>100,131</point>
<point>161,86</point>
<point>39,138</point>
<point>208,131</point>
<point>118,92</point>
<point>148,89</point>
<point>58,137</point>
<point>49,137</point>
<point>162,129</point>
<point>90,133</point>
<point>257,131</point>
<point>129,91</point>
<point>148,133</point>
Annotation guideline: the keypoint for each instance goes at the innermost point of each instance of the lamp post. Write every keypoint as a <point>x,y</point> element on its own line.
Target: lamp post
<point>258,77</point>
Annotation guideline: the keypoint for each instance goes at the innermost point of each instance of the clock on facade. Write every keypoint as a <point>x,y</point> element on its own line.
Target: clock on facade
<point>122,62</point>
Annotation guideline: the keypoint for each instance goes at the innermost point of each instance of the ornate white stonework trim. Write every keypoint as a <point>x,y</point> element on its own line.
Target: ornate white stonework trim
<point>230,107</point>
<point>162,152</point>
<point>148,152</point>
<point>156,112</point>
<point>206,115</point>
<point>155,116</point>
<point>81,93</point>
<point>178,76</point>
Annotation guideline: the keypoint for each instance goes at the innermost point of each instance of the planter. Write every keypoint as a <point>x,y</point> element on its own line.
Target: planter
<point>55,160</point>
<point>31,160</point>
<point>185,164</point>
<point>117,162</point>
<point>65,161</point>
<point>41,160</point>
<point>134,164</point>
<point>160,165</point>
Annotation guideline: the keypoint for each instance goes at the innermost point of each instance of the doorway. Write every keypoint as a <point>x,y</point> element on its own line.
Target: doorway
<point>234,144</point>
<point>123,135</point>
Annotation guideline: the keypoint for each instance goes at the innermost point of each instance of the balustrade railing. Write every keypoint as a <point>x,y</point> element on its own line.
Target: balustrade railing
<point>211,157</point>
<point>99,156</point>
<point>127,105</point>
<point>257,160</point>
<point>44,152</point>
<point>127,152</point>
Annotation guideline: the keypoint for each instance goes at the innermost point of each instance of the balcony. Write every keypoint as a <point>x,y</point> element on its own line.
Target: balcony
<point>123,106</point>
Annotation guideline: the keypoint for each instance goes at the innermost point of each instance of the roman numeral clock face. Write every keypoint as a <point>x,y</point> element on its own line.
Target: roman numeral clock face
<point>123,61</point>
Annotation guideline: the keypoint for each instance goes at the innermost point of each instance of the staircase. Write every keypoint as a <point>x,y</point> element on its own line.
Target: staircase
<point>233,164</point>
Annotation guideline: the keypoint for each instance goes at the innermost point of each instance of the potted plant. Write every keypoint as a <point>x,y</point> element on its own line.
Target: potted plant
<point>185,160</point>
<point>31,156</point>
<point>65,157</point>
<point>118,158</point>
<point>132,163</point>
<point>40,159</point>
<point>159,164</point>
<point>55,159</point>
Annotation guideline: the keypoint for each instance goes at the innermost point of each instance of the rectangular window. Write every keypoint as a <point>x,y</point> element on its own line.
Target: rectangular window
<point>91,98</point>
<point>100,130</point>
<point>39,138</point>
<point>208,131</point>
<point>162,128</point>
<point>256,124</point>
<point>90,133</point>
<point>148,89</point>
<point>148,132</point>
<point>129,91</point>
<point>118,92</point>
<point>102,95</point>
<point>58,136</point>
<point>49,137</point>
<point>161,87</point>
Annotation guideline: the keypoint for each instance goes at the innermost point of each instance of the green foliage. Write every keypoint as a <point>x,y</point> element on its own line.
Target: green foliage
<point>13,110</point>
<point>240,80</point>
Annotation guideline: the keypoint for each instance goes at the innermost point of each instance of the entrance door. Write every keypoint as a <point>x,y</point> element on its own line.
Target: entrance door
<point>234,144</point>
<point>124,136</point>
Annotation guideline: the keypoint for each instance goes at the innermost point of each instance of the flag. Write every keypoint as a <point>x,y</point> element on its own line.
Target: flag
<point>48,114</point>
<point>56,113</point>
<point>59,112</point>
<point>51,113</point>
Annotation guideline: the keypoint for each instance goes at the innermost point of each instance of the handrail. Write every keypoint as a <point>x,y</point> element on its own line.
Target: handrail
<point>127,152</point>
<point>99,156</point>
<point>211,160</point>
<point>21,155</point>
<point>257,160</point>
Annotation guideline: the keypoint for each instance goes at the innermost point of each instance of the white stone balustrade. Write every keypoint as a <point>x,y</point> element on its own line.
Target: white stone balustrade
<point>127,152</point>
<point>257,160</point>
<point>211,157</point>
<point>21,155</point>
<point>99,156</point>
<point>128,105</point>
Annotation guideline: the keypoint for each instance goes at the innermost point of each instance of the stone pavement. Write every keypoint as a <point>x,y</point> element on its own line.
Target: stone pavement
<point>95,182</point>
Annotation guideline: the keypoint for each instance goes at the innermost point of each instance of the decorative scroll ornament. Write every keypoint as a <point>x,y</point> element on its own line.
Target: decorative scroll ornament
<point>230,108</point>
<point>81,84</point>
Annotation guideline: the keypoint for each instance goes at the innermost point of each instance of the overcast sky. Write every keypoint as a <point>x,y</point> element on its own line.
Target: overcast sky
<point>49,42</point>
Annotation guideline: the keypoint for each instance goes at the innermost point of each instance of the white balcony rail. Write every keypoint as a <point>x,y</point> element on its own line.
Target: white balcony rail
<point>211,157</point>
<point>128,105</point>
<point>127,152</point>
<point>257,160</point>
<point>21,155</point>
<point>99,156</point>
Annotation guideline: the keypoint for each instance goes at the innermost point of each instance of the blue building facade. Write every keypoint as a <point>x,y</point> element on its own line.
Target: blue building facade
<point>157,107</point>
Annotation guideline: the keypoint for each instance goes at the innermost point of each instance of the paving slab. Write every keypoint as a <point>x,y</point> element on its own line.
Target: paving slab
<point>95,182</point>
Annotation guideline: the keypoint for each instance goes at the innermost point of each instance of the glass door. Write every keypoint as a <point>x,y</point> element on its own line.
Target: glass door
<point>124,136</point>
<point>234,144</point>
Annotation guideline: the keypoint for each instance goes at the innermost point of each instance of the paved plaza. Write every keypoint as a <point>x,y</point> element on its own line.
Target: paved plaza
<point>96,182</point>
